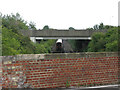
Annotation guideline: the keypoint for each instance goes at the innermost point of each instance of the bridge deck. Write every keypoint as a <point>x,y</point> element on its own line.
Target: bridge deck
<point>59,33</point>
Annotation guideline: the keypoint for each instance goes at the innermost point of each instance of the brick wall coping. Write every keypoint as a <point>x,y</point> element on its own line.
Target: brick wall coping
<point>59,56</point>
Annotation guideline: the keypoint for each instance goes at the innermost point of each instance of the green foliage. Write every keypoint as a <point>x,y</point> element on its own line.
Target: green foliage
<point>9,44</point>
<point>73,44</point>
<point>89,29</point>
<point>46,27</point>
<point>100,26</point>
<point>14,43</point>
<point>0,40</point>
<point>112,40</point>
<point>97,43</point>
<point>79,45</point>
<point>104,41</point>
<point>44,46</point>
<point>67,84</point>
<point>14,22</point>
<point>32,26</point>
<point>101,42</point>
<point>112,46</point>
<point>96,27</point>
<point>71,28</point>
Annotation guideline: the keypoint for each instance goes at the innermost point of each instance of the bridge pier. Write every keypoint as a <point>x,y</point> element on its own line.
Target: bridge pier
<point>33,39</point>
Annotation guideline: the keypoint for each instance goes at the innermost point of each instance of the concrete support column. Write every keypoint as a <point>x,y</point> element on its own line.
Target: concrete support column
<point>33,39</point>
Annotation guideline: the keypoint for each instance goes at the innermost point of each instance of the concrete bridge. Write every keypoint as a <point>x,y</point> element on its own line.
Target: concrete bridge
<point>59,34</point>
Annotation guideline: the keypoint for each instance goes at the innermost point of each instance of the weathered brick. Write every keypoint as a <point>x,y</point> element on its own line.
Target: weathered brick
<point>59,70</point>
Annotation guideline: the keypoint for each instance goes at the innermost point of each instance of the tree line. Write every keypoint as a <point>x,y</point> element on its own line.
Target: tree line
<point>105,42</point>
<point>100,42</point>
<point>14,43</point>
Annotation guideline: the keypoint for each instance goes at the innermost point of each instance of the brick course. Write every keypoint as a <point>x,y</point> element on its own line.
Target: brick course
<point>56,70</point>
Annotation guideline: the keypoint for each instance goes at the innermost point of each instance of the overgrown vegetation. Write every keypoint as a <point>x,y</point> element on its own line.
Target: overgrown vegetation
<point>67,84</point>
<point>104,41</point>
<point>14,43</point>
<point>100,42</point>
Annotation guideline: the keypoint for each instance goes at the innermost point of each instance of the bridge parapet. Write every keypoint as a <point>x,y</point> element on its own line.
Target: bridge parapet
<point>59,70</point>
<point>59,33</point>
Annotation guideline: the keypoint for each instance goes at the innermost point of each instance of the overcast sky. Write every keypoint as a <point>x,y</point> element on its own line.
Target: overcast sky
<point>62,14</point>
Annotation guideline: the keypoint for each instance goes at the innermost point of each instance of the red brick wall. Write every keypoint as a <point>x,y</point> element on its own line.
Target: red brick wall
<point>55,72</point>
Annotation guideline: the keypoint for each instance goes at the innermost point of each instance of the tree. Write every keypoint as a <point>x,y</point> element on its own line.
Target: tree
<point>97,43</point>
<point>14,22</point>
<point>107,26</point>
<point>104,41</point>
<point>96,27</point>
<point>46,27</point>
<point>14,43</point>
<point>89,28</point>
<point>32,26</point>
<point>101,26</point>
<point>111,38</point>
<point>71,28</point>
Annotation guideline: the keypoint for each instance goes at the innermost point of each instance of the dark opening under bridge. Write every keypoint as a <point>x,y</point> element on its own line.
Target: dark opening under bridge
<point>59,34</point>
